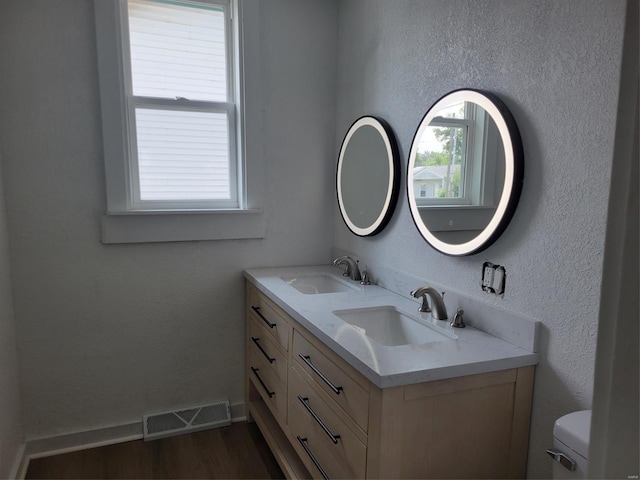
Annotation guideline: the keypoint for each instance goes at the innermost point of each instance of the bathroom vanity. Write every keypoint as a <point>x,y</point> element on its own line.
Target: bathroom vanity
<point>335,400</point>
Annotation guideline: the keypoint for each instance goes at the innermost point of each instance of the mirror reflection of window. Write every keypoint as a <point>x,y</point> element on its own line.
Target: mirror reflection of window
<point>465,170</point>
<point>442,156</point>
<point>460,157</point>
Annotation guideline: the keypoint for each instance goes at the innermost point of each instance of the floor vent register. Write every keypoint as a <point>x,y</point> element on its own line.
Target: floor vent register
<point>168,424</point>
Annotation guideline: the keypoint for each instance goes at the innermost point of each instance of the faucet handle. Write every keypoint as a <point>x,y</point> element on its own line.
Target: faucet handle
<point>365,279</point>
<point>458,321</point>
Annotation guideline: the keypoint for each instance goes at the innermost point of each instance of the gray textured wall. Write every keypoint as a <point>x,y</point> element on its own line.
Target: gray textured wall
<point>10,417</point>
<point>107,332</point>
<point>556,65</point>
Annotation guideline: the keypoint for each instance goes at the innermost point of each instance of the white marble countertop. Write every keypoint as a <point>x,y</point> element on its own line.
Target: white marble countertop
<point>387,366</point>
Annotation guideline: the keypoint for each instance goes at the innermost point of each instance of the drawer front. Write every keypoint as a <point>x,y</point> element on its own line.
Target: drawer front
<point>271,316</point>
<point>272,391</point>
<point>340,387</point>
<point>313,418</point>
<point>262,344</point>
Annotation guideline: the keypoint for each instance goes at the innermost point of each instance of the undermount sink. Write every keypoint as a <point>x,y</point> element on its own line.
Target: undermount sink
<point>318,283</point>
<point>391,327</point>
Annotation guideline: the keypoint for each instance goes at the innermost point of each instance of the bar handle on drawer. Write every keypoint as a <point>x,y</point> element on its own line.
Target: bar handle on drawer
<point>266,389</point>
<point>303,442</point>
<point>305,403</point>
<point>257,310</point>
<point>307,359</point>
<point>256,340</point>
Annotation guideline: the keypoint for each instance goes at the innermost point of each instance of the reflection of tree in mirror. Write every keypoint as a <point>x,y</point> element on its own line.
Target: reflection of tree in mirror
<point>452,142</point>
<point>429,159</point>
<point>453,185</point>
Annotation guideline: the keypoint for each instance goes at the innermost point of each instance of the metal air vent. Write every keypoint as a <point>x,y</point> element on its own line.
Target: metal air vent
<point>167,424</point>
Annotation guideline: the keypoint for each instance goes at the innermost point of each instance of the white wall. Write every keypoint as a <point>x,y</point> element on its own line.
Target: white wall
<point>107,332</point>
<point>556,65</point>
<point>10,418</point>
<point>614,451</point>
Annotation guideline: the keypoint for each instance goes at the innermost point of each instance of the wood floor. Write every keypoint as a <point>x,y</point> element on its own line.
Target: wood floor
<point>237,451</point>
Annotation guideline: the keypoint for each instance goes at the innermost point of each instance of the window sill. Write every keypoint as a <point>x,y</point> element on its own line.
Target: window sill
<point>182,226</point>
<point>456,217</point>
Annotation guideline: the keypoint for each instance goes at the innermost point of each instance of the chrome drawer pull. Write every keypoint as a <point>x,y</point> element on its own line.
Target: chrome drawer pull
<point>307,359</point>
<point>257,310</point>
<point>256,340</point>
<point>266,389</point>
<point>303,442</point>
<point>304,402</point>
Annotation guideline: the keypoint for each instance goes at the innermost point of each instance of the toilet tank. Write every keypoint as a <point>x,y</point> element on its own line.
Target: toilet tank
<point>571,445</point>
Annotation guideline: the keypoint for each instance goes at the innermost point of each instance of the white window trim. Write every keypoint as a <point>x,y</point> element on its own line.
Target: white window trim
<point>122,225</point>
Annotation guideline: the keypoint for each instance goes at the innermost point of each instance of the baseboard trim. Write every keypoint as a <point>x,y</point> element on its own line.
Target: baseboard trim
<point>44,447</point>
<point>18,464</point>
<point>73,442</point>
<point>238,412</point>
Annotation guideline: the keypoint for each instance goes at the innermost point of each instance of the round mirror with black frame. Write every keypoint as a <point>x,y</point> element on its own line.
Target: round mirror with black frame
<point>368,176</point>
<point>465,171</point>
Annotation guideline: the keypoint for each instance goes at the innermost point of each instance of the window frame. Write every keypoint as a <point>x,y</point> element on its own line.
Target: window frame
<point>132,102</point>
<point>121,224</point>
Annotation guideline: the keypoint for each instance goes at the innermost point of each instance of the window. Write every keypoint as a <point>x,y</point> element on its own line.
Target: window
<point>170,77</point>
<point>180,101</point>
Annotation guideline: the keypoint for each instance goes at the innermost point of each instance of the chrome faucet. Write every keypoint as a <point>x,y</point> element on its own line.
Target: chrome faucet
<point>352,271</point>
<point>438,309</point>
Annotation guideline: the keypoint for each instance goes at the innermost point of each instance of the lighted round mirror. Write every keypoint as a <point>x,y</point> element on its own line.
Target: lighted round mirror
<point>465,172</point>
<point>368,176</point>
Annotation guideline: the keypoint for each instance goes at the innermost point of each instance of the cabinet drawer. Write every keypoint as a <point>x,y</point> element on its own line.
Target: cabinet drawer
<point>270,315</point>
<point>332,378</point>
<point>263,344</point>
<point>272,391</point>
<point>314,418</point>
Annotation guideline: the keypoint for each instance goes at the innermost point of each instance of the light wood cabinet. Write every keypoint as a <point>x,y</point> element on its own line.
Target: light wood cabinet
<point>342,383</point>
<point>322,418</point>
<point>330,435</point>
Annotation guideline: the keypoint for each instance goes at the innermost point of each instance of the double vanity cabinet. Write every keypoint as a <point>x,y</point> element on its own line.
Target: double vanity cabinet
<point>323,418</point>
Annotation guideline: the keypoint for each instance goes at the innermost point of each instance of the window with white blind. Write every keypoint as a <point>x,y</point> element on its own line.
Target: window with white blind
<point>177,58</point>
<point>170,82</point>
<point>181,106</point>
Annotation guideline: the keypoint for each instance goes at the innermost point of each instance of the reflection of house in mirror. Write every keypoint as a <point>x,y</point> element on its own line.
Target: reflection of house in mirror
<point>431,181</point>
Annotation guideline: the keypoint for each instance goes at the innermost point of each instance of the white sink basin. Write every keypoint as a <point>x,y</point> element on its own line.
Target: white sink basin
<point>318,283</point>
<point>391,327</point>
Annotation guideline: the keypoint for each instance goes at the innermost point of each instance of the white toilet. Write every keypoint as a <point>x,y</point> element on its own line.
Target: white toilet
<point>571,445</point>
